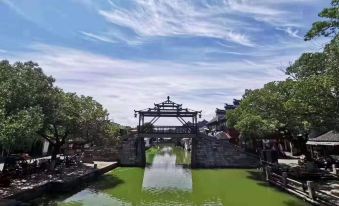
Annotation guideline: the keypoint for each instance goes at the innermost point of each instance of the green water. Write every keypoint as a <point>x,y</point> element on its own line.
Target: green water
<point>168,181</point>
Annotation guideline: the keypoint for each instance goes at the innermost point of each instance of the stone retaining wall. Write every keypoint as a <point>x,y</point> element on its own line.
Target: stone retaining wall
<point>207,152</point>
<point>210,152</point>
<point>132,152</point>
<point>55,187</point>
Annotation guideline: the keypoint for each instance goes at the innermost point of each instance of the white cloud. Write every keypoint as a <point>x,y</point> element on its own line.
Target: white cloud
<point>98,37</point>
<point>254,7</point>
<point>122,86</point>
<point>224,19</point>
<point>293,33</point>
<point>151,18</point>
<point>274,12</point>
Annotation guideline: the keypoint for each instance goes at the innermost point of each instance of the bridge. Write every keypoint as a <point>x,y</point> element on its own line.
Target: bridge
<point>168,109</point>
<point>207,151</point>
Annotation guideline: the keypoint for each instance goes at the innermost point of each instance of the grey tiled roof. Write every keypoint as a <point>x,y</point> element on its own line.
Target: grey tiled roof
<point>215,119</point>
<point>331,136</point>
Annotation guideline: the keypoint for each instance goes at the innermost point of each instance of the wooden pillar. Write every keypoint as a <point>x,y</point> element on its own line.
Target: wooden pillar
<point>268,173</point>
<point>139,127</point>
<point>284,176</point>
<point>310,189</point>
<point>334,169</point>
<point>196,124</point>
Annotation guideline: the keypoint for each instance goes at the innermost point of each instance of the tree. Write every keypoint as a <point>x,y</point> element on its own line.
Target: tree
<point>61,121</point>
<point>31,107</point>
<point>111,133</point>
<point>328,27</point>
<point>307,101</point>
<point>271,112</point>
<point>70,116</point>
<point>308,64</point>
<point>93,122</point>
<point>21,94</point>
<point>147,127</point>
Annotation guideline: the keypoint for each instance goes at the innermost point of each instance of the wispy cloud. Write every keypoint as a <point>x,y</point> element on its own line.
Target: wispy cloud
<point>151,18</point>
<point>293,33</point>
<point>97,37</point>
<point>126,85</point>
<point>275,12</point>
<point>133,52</point>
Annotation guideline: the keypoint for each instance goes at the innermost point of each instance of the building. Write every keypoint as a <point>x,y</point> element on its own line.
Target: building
<point>324,145</point>
<point>218,122</point>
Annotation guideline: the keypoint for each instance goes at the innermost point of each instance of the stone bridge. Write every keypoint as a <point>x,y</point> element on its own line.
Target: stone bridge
<point>207,152</point>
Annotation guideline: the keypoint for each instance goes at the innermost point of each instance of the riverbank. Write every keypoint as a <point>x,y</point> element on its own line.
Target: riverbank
<point>65,181</point>
<point>168,181</point>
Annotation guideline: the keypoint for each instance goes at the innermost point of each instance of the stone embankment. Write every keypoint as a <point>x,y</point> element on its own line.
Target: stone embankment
<point>207,152</point>
<point>132,151</point>
<point>210,152</point>
<point>54,184</point>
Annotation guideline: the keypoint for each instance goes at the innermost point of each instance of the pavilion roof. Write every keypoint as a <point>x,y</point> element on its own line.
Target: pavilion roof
<point>168,108</point>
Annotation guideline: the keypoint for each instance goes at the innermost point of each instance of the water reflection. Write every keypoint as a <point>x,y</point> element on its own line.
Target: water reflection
<point>164,173</point>
<point>168,181</point>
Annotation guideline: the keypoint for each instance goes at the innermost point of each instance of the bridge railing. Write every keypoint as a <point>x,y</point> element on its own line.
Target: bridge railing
<point>170,130</point>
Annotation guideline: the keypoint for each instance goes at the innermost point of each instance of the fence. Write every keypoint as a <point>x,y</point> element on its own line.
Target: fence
<point>306,191</point>
<point>171,130</point>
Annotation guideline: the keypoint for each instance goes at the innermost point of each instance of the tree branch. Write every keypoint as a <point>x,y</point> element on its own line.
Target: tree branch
<point>46,137</point>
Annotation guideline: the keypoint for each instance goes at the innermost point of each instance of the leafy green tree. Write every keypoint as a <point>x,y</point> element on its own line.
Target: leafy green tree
<point>308,64</point>
<point>307,101</point>
<point>328,27</point>
<point>62,120</point>
<point>112,133</point>
<point>147,127</point>
<point>70,116</point>
<point>93,120</point>
<point>22,87</point>
<point>31,107</point>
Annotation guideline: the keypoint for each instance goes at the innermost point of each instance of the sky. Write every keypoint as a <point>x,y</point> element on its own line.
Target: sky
<point>129,54</point>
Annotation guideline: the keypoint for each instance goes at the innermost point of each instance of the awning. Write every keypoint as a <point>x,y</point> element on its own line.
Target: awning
<point>322,143</point>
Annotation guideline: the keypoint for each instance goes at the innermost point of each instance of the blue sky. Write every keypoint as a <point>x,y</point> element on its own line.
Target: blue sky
<point>129,54</point>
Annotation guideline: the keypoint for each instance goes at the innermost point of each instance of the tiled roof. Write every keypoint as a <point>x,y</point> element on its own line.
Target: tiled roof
<point>215,119</point>
<point>331,136</point>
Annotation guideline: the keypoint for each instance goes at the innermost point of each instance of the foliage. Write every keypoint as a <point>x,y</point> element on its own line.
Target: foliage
<point>32,107</point>
<point>111,134</point>
<point>308,64</point>
<point>147,127</point>
<point>328,27</point>
<point>307,101</point>
<point>21,87</point>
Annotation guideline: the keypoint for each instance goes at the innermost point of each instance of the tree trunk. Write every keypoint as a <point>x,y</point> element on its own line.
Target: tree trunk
<point>254,144</point>
<point>55,152</point>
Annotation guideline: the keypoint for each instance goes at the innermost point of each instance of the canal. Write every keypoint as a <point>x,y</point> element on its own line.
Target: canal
<point>168,180</point>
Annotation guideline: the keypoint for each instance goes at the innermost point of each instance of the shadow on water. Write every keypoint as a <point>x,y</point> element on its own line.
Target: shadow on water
<point>101,183</point>
<point>107,182</point>
<point>168,180</point>
<point>259,178</point>
<point>294,203</point>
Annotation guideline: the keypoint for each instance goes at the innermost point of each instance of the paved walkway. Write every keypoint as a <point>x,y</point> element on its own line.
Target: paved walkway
<point>289,162</point>
<point>100,164</point>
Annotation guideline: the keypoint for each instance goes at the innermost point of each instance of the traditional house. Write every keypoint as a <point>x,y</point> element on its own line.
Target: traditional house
<point>324,145</point>
<point>218,123</point>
